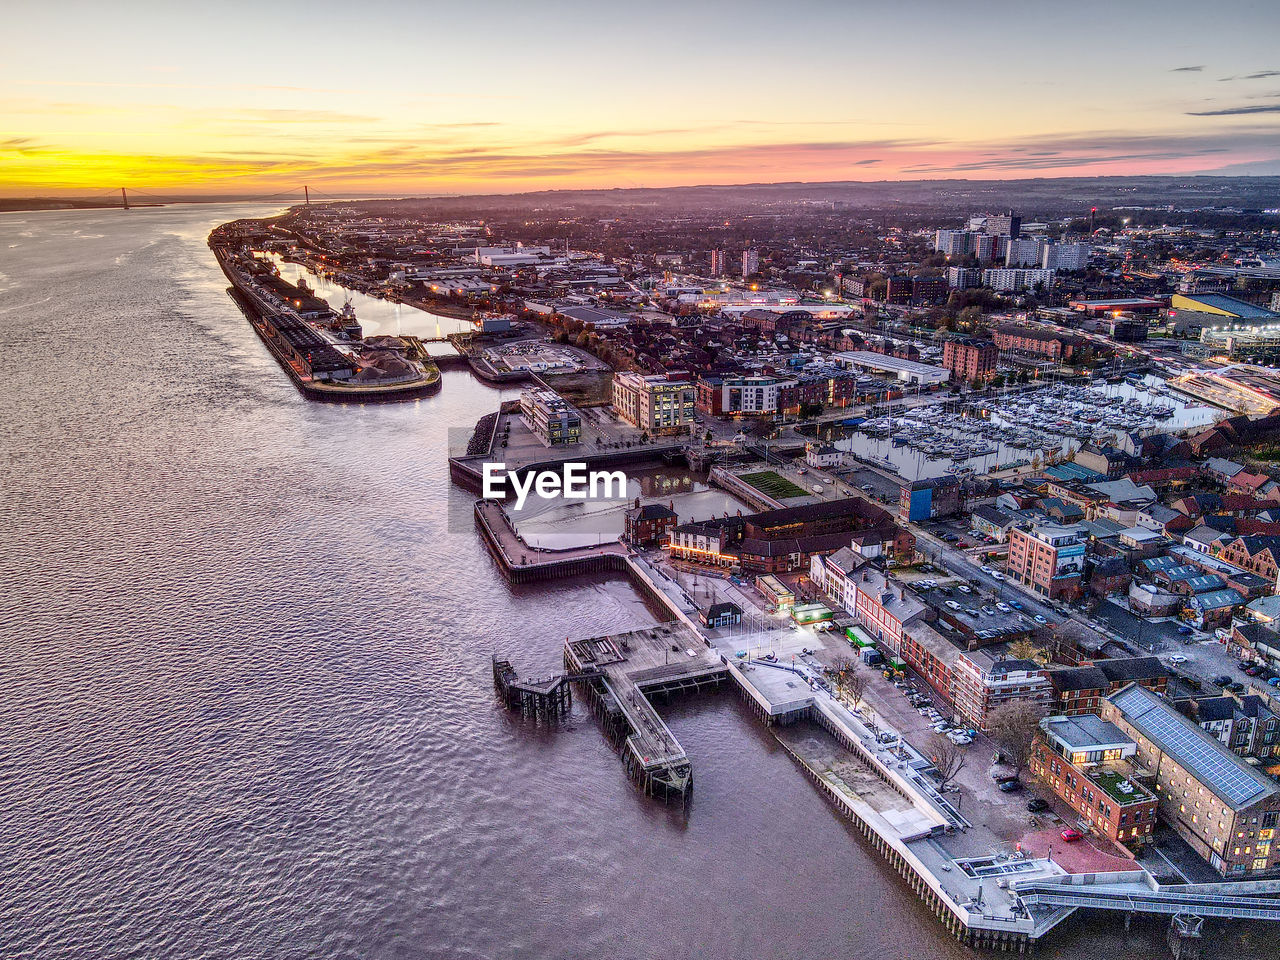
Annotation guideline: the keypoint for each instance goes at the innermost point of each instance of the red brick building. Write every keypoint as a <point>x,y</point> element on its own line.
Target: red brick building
<point>1080,689</point>
<point>1056,346</point>
<point>649,525</point>
<point>1083,760</point>
<point>969,359</point>
<point>1256,554</point>
<point>1048,558</point>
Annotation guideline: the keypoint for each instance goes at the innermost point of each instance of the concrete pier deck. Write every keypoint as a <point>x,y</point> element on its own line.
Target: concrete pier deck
<point>629,666</point>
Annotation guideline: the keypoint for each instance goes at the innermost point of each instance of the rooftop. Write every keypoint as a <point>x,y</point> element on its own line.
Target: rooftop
<point>1085,732</point>
<point>1229,778</point>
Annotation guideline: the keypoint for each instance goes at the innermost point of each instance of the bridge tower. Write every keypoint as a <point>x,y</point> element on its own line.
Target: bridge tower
<point>125,197</point>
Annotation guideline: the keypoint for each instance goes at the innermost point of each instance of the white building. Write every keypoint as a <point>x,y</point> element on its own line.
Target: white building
<point>550,418</point>
<point>908,371</point>
<point>1011,279</point>
<point>1065,256</point>
<point>834,575</point>
<point>1024,252</point>
<point>750,261</point>
<point>654,404</point>
<point>822,455</point>
<point>953,243</point>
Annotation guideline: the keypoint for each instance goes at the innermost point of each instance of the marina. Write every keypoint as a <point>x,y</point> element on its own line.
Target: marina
<point>1033,428</point>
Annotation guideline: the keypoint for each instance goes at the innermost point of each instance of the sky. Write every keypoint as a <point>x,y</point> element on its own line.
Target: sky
<point>402,98</point>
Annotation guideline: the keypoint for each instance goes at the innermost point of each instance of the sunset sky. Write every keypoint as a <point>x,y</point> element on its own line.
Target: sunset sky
<point>375,97</point>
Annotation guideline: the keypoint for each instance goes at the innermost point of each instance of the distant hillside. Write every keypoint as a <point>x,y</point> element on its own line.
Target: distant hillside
<point>1044,197</point>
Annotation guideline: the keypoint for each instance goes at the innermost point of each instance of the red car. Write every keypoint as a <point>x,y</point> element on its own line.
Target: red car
<point>1071,834</point>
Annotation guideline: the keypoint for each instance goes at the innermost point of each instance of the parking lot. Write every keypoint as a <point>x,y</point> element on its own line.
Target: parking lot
<point>1002,817</point>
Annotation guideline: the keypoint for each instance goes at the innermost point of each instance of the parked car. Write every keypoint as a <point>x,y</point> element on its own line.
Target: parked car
<point>1039,619</point>
<point>1036,805</point>
<point>1071,834</point>
<point>1235,686</point>
<point>997,575</point>
<point>1177,658</point>
<point>1184,631</point>
<point>1222,679</point>
<point>1015,604</point>
<point>1010,786</point>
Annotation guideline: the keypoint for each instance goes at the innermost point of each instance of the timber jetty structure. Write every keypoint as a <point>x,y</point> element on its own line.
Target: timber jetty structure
<point>619,674</point>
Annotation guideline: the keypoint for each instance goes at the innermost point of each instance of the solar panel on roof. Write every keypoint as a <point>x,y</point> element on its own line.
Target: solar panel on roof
<point>1192,748</point>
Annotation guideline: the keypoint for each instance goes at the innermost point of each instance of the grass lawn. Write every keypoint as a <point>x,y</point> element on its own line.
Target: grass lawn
<point>771,484</point>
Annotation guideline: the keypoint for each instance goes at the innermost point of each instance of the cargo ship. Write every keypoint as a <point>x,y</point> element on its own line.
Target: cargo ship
<point>290,318</point>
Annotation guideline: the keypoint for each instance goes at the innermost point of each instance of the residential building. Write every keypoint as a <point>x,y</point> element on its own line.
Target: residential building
<point>1011,279</point>
<point>963,278</point>
<point>885,608</point>
<point>649,525</point>
<point>1082,759</point>
<point>1225,809</point>
<point>953,243</point>
<point>1037,340</point>
<point>1257,554</point>
<point>991,522</point>
<point>1023,253</point>
<point>983,681</point>
<point>1065,256</point>
<point>822,455</point>
<point>1080,689</point>
<point>1048,558</point>
<point>1244,725</point>
<point>1003,225</point>
<point>835,575</point>
<point>970,359</point>
<point>740,396</point>
<point>656,405</point>
<point>750,261</point>
<point>717,263</point>
<point>552,420</point>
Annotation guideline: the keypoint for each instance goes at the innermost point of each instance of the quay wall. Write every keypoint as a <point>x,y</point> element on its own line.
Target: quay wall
<point>971,929</point>
<point>756,499</point>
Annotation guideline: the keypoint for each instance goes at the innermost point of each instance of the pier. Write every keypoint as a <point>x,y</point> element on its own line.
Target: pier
<point>619,674</point>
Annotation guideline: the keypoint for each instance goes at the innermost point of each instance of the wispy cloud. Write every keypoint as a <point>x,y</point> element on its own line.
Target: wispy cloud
<point>1195,69</point>
<point>1237,111</point>
<point>1260,75</point>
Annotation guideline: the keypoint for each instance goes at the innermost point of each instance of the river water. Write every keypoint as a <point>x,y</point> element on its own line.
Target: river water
<point>245,696</point>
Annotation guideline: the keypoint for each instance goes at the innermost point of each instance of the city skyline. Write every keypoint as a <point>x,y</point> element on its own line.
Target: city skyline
<point>395,98</point>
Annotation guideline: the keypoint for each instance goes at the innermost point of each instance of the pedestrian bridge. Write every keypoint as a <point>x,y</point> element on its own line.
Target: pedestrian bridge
<point>1136,891</point>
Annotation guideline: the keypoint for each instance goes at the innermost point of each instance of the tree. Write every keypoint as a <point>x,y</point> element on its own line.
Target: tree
<point>1012,726</point>
<point>854,686</point>
<point>1026,650</point>
<point>948,759</point>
